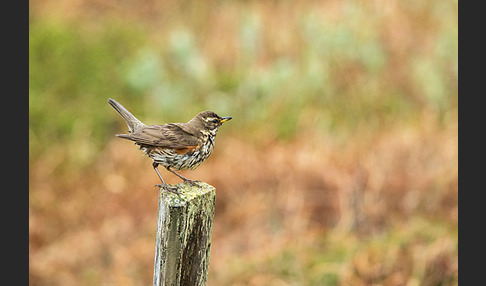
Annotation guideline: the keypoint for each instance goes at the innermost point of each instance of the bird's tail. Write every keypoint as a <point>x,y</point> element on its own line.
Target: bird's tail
<point>133,123</point>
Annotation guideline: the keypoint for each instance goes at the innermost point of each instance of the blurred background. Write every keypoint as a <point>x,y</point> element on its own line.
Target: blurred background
<point>340,166</point>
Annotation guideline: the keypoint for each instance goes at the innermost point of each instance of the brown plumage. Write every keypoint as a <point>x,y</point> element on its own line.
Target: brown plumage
<point>176,146</point>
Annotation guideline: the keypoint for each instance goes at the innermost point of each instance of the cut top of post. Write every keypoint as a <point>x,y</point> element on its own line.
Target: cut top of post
<point>187,194</point>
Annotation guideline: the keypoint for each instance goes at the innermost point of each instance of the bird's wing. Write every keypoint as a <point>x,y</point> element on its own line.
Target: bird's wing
<point>167,135</point>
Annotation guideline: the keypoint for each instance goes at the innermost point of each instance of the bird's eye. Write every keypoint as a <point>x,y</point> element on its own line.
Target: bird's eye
<point>215,120</point>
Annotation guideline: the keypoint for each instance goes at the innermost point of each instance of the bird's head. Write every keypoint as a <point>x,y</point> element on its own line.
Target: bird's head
<point>208,121</point>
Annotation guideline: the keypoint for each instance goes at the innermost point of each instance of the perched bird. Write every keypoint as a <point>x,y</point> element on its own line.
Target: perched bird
<point>176,146</point>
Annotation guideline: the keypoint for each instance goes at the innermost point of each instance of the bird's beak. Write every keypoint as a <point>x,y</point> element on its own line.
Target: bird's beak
<point>224,119</point>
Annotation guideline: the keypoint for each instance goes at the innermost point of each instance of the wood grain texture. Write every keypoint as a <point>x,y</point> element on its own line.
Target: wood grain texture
<point>183,240</point>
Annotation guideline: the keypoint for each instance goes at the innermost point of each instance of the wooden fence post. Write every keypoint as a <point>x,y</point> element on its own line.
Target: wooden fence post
<point>183,242</point>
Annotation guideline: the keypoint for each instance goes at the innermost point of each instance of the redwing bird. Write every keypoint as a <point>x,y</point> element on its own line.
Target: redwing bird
<point>176,146</point>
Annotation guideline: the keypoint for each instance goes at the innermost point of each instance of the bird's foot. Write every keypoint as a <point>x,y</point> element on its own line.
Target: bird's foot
<point>194,183</point>
<point>168,188</point>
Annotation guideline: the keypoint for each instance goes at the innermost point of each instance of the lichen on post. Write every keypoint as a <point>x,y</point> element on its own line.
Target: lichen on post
<point>183,240</point>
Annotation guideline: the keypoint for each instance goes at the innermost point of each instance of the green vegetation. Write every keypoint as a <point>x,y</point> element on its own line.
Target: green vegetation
<point>337,75</point>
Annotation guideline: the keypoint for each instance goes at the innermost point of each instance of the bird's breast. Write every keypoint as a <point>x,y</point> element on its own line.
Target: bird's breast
<point>189,157</point>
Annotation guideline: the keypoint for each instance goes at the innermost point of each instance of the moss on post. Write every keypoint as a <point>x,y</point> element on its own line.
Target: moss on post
<point>183,241</point>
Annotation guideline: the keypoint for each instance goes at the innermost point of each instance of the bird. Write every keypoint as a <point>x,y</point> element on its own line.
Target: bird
<point>176,146</point>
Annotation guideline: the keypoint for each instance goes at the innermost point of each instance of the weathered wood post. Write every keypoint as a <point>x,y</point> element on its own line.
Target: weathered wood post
<point>183,241</point>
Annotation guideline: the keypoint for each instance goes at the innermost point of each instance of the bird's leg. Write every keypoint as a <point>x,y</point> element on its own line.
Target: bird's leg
<point>164,185</point>
<point>186,180</point>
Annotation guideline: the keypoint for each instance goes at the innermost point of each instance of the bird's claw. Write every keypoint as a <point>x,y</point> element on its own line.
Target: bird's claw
<point>168,188</point>
<point>194,183</point>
